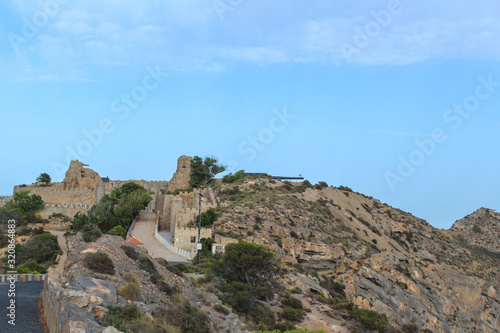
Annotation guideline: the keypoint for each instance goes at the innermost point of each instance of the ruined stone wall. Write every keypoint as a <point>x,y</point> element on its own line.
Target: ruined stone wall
<point>183,237</point>
<point>182,176</point>
<point>4,200</point>
<point>176,211</point>
<point>58,194</point>
<point>155,186</point>
<point>221,242</point>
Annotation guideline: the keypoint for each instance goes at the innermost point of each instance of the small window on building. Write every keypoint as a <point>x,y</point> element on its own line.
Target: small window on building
<point>193,239</point>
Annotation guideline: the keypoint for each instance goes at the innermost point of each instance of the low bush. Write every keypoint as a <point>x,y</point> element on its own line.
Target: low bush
<point>23,231</point>
<point>131,291</point>
<point>370,319</point>
<point>262,316</point>
<point>31,267</point>
<point>293,303</point>
<point>222,309</point>
<point>42,248</point>
<point>292,314</point>
<point>118,316</point>
<point>130,252</point>
<point>119,231</point>
<point>99,262</point>
<point>91,233</point>
<point>230,178</point>
<point>188,318</point>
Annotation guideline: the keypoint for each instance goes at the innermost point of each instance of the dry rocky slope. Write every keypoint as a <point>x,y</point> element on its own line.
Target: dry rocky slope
<point>481,228</point>
<point>77,300</point>
<point>384,259</point>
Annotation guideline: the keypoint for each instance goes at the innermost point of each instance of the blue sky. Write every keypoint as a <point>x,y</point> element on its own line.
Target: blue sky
<point>399,99</point>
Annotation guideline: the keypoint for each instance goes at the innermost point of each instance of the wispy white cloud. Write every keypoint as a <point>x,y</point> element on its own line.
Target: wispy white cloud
<point>189,33</point>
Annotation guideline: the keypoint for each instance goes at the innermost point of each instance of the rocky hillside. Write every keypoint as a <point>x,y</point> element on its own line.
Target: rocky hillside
<point>377,256</point>
<point>111,283</point>
<point>481,229</point>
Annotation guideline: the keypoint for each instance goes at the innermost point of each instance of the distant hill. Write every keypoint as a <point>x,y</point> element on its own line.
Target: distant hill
<point>481,228</point>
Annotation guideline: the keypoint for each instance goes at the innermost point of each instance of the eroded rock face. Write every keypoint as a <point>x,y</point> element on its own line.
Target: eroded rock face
<point>481,228</point>
<point>385,259</point>
<point>77,301</point>
<point>78,176</point>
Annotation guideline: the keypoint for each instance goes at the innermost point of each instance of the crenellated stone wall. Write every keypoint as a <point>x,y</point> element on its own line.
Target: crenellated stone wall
<point>4,199</point>
<point>176,211</point>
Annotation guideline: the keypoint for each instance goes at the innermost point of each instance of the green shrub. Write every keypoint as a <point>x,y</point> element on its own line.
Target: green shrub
<point>294,330</point>
<point>262,315</point>
<point>370,319</point>
<point>230,178</point>
<point>292,314</point>
<point>91,233</point>
<point>131,291</point>
<point>42,248</point>
<point>4,241</point>
<point>307,184</point>
<point>130,252</point>
<point>293,303</point>
<point>295,291</point>
<point>221,309</point>
<point>118,316</point>
<point>207,218</point>
<point>129,277</point>
<point>182,267</point>
<point>99,262</point>
<point>476,229</point>
<point>31,267</point>
<point>119,231</point>
<point>188,318</point>
<point>23,231</point>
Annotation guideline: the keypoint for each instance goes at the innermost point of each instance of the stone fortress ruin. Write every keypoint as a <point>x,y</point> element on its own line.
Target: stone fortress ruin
<point>82,188</point>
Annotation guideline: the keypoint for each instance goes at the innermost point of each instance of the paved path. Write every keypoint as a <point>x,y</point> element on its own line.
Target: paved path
<point>27,314</point>
<point>144,230</point>
<point>59,267</point>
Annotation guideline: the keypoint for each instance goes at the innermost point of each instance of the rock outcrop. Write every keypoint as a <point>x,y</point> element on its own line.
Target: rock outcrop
<point>481,228</point>
<point>385,259</point>
<point>78,300</point>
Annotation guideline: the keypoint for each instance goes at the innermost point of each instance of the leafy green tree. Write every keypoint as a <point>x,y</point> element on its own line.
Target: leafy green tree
<point>230,178</point>
<point>25,202</point>
<point>203,171</point>
<point>250,271</point>
<point>119,208</point>
<point>206,246</point>
<point>31,267</point>
<point>119,231</point>
<point>44,178</point>
<point>43,249</point>
<point>207,218</point>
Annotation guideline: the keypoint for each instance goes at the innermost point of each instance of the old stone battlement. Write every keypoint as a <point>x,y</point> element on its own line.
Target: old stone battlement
<point>4,199</point>
<point>80,190</point>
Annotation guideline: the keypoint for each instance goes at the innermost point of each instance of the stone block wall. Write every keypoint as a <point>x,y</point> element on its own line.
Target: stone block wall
<point>4,199</point>
<point>155,186</point>
<point>59,194</point>
<point>183,237</point>
<point>176,211</point>
<point>221,242</point>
